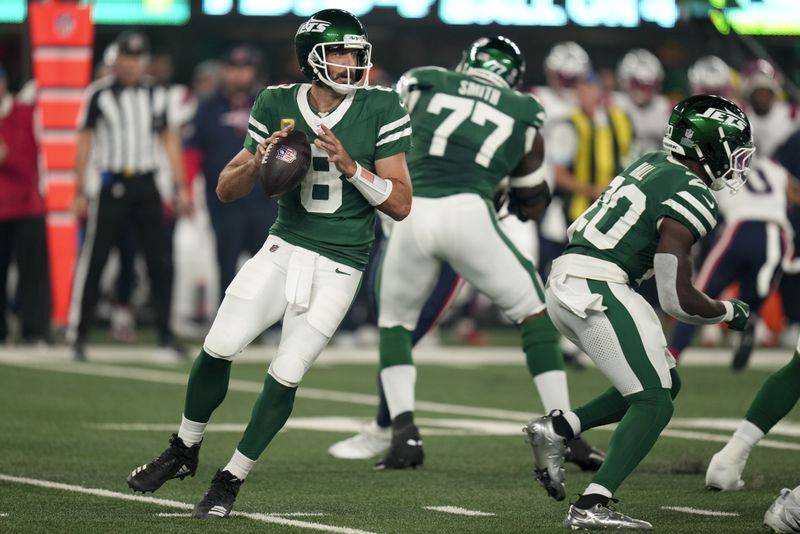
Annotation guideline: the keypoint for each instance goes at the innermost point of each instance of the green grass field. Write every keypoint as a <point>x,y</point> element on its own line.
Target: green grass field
<point>85,426</point>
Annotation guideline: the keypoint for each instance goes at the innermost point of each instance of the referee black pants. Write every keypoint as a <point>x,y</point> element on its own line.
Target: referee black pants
<point>24,241</point>
<point>123,200</point>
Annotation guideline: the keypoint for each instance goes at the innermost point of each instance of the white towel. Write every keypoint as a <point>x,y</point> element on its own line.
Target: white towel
<point>299,278</point>
<point>578,303</point>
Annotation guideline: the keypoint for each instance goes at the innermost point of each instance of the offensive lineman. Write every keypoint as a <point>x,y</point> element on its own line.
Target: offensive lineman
<point>310,267</point>
<point>646,220</point>
<point>471,129</point>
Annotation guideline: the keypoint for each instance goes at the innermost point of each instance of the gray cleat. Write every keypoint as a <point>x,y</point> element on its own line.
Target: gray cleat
<point>549,453</point>
<point>600,517</point>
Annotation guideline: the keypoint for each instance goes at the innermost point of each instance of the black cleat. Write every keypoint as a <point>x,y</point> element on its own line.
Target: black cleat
<point>744,347</point>
<point>582,454</point>
<point>178,461</point>
<point>218,500</point>
<point>405,450</point>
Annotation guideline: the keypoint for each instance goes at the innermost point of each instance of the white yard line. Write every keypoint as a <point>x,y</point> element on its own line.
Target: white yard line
<point>458,511</point>
<point>290,514</point>
<point>3,515</point>
<point>503,417</point>
<point>264,518</point>
<point>699,511</point>
<point>460,357</point>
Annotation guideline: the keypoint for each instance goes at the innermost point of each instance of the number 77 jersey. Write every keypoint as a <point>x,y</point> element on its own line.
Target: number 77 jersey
<point>468,134</point>
<point>622,225</point>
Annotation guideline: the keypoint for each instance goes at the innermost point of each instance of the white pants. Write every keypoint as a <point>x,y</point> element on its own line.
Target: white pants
<point>463,231</point>
<point>615,327</point>
<point>311,293</point>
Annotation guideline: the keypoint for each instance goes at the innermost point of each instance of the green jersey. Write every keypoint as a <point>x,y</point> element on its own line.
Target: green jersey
<point>327,214</point>
<point>468,134</point>
<point>622,225</point>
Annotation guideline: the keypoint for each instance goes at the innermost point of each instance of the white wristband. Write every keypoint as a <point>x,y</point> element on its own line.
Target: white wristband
<point>376,191</point>
<point>728,311</point>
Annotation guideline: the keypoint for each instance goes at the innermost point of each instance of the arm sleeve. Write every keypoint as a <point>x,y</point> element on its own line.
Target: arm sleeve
<point>90,111</point>
<point>394,129</point>
<point>257,130</point>
<point>694,207</point>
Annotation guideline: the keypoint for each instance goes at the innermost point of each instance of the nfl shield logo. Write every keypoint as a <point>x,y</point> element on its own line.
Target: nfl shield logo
<point>286,154</point>
<point>273,248</point>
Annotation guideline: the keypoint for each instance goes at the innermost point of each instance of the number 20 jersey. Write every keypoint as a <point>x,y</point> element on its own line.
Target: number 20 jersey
<point>468,134</point>
<point>622,225</point>
<point>327,214</point>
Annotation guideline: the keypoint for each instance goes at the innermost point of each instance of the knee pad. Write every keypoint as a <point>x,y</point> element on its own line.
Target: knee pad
<point>287,370</point>
<point>222,344</point>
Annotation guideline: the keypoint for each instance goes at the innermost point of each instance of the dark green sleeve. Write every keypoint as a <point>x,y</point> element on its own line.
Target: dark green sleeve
<point>257,130</point>
<point>394,129</point>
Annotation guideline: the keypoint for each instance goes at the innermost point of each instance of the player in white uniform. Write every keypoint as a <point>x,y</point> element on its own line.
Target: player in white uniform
<point>711,75</point>
<point>773,120</point>
<point>640,76</point>
<point>750,250</point>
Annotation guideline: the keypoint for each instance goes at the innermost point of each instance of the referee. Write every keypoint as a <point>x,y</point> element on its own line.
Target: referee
<point>122,121</point>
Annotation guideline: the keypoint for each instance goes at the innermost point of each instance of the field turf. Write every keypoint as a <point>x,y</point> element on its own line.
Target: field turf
<point>70,433</point>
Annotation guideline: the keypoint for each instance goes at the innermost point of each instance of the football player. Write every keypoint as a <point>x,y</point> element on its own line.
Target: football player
<point>711,75</point>
<point>471,129</point>
<point>640,76</point>
<point>750,251</point>
<point>310,267</point>
<point>774,400</point>
<point>773,120</point>
<point>646,221</point>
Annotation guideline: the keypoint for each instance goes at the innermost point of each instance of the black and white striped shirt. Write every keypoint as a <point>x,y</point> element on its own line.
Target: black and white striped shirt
<point>127,123</point>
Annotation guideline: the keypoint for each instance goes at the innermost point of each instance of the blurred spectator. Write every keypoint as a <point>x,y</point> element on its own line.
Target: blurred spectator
<point>640,77</point>
<point>218,130</point>
<point>127,118</point>
<point>206,79</point>
<point>22,219</point>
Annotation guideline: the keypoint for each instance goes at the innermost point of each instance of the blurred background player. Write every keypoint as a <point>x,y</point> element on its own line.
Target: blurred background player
<point>640,77</point>
<point>773,119</point>
<point>710,75</point>
<point>23,237</point>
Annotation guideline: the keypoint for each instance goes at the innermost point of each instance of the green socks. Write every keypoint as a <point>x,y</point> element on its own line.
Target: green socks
<point>270,413</point>
<point>540,344</point>
<point>208,384</point>
<point>395,347</point>
<point>649,412</point>
<point>777,396</point>
<point>610,407</point>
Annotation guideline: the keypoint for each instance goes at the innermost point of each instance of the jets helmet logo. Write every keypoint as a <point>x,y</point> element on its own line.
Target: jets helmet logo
<point>725,117</point>
<point>313,25</point>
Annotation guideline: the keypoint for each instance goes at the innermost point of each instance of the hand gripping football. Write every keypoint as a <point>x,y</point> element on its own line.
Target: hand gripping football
<point>285,164</point>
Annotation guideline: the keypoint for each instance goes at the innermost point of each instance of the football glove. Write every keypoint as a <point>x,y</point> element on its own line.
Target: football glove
<point>741,313</point>
<point>529,202</point>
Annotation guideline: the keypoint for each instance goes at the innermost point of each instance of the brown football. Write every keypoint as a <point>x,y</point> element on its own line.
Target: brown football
<point>285,164</point>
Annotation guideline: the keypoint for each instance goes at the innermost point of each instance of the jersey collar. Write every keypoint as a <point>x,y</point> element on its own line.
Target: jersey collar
<point>312,119</point>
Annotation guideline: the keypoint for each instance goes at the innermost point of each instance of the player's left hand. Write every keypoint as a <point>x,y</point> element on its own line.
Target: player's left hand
<point>183,202</point>
<point>337,155</point>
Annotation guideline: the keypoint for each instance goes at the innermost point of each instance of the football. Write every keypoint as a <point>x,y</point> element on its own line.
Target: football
<point>285,164</point>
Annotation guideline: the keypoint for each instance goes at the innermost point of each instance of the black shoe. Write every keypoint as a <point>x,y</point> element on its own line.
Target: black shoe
<point>580,453</point>
<point>178,461</point>
<point>219,498</point>
<point>405,450</point>
<point>78,349</point>
<point>744,347</point>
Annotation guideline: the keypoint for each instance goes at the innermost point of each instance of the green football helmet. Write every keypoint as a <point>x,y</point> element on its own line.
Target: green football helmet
<point>331,29</point>
<point>714,132</point>
<point>496,60</point>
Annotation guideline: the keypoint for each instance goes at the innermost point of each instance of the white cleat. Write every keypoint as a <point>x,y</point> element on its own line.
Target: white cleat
<point>600,517</point>
<point>369,443</point>
<point>725,474</point>
<point>784,514</point>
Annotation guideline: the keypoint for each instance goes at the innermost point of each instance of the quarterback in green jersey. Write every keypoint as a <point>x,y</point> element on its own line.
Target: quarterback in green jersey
<point>644,223</point>
<point>471,130</point>
<point>310,267</point>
